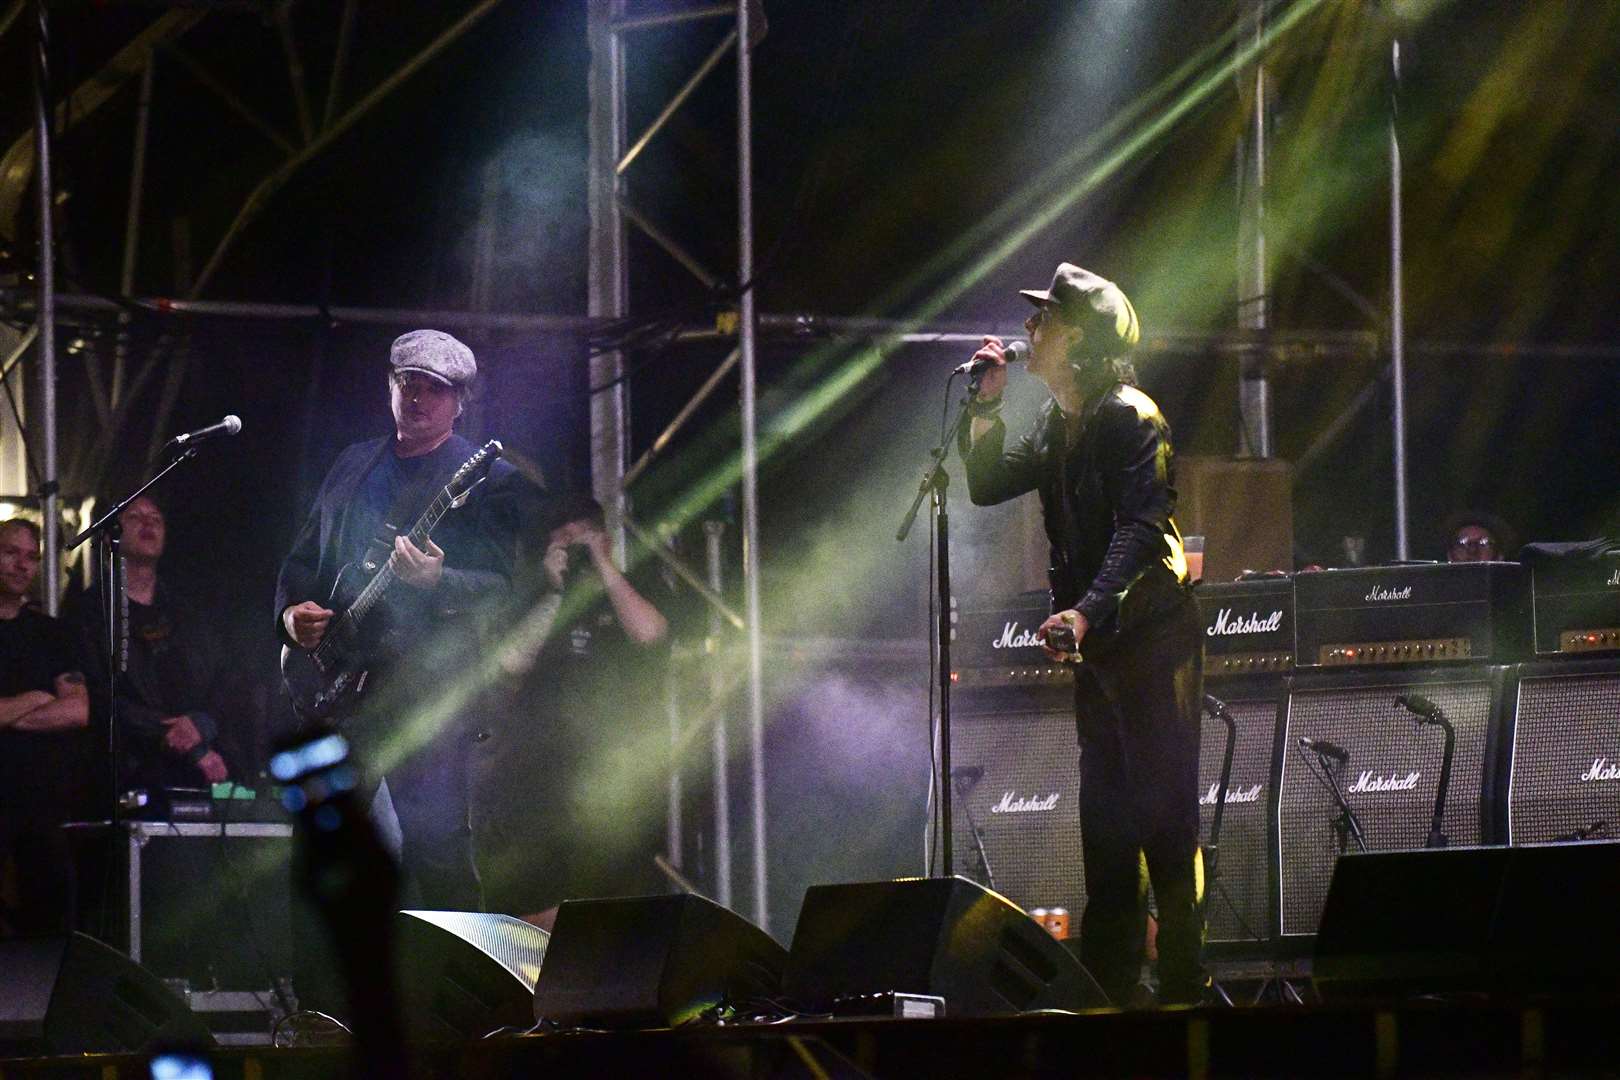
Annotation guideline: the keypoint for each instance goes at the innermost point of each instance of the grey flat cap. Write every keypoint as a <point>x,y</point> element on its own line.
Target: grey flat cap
<point>435,354</point>
<point>1089,300</point>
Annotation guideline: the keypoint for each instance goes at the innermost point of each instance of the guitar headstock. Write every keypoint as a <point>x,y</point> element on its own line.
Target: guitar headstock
<point>473,472</point>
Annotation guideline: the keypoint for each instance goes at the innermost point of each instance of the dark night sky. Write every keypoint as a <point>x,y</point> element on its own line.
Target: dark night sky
<point>883,132</point>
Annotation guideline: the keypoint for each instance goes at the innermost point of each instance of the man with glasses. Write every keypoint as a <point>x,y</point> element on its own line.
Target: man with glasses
<point>1475,536</point>
<point>1100,458</point>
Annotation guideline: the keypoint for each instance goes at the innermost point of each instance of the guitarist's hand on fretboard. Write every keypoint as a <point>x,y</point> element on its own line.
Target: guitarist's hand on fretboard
<point>415,567</point>
<point>306,623</point>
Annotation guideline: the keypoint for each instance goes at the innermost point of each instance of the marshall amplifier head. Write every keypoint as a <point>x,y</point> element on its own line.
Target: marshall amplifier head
<point>1390,777</point>
<point>1575,601</point>
<point>1411,614</point>
<point>1562,772</point>
<point>996,646</point>
<point>1248,627</point>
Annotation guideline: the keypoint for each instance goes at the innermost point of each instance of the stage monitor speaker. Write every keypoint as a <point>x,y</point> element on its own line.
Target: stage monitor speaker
<point>945,936</point>
<point>1563,767</point>
<point>1501,920</point>
<point>652,961</point>
<point>1018,767</point>
<point>75,995</point>
<point>1237,904</point>
<point>464,974</point>
<point>1391,777</point>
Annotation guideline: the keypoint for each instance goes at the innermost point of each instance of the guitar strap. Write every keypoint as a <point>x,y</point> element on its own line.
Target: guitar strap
<point>412,498</point>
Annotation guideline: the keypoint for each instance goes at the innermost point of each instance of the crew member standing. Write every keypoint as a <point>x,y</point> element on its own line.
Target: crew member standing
<point>44,745</point>
<point>412,723</point>
<point>1099,455</point>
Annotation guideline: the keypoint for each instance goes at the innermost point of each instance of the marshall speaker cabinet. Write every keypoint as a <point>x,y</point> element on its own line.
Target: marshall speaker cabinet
<point>1016,759</point>
<point>1248,651</point>
<point>1389,776</point>
<point>1561,771</point>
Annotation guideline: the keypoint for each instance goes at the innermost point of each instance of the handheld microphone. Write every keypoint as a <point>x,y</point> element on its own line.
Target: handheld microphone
<point>228,426</point>
<point>1016,353</point>
<point>1324,748</point>
<point>1422,706</point>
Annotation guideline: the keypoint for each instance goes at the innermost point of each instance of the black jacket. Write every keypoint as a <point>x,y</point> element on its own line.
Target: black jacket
<point>1106,502</point>
<point>478,539</point>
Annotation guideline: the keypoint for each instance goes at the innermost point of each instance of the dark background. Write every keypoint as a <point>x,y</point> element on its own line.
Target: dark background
<point>884,133</point>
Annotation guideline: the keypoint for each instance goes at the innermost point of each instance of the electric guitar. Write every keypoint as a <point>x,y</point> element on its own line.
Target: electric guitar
<point>324,682</point>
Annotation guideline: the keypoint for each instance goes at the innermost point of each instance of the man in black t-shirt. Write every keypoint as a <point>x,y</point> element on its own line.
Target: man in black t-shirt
<point>588,704</point>
<point>44,713</point>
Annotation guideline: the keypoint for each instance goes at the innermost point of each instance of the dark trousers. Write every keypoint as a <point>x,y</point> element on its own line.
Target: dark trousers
<point>1137,712</point>
<point>430,791</point>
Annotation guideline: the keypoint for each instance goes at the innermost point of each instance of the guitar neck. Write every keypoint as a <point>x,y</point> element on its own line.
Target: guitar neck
<point>378,586</point>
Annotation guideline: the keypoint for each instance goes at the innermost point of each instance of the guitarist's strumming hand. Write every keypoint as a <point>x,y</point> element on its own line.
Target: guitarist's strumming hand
<point>416,568</point>
<point>306,623</point>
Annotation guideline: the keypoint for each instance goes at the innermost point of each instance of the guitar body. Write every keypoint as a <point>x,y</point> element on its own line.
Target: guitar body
<point>326,683</point>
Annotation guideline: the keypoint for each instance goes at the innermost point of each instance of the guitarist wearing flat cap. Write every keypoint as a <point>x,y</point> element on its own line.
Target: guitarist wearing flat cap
<point>380,616</point>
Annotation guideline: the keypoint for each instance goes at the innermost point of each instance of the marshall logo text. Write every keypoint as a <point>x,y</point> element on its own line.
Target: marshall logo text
<point>1381,592</point>
<point>1012,805</point>
<point>1368,782</point>
<point>1224,625</point>
<point>1233,795</point>
<point>1602,769</point>
<point>1014,638</point>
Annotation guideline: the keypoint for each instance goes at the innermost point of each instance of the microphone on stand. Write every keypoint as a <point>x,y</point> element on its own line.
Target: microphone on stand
<point>967,775</point>
<point>1016,353</point>
<point>228,426</point>
<point>1420,706</point>
<point>1325,748</point>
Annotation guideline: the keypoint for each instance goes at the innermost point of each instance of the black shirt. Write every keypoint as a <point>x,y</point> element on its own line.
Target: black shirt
<point>39,769</point>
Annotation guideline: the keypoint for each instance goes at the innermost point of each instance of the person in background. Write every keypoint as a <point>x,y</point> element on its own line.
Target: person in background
<point>587,694</point>
<point>44,742</point>
<point>1476,536</point>
<point>170,701</point>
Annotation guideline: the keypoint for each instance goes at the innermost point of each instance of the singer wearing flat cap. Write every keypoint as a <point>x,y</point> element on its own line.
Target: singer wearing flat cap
<point>1099,456</point>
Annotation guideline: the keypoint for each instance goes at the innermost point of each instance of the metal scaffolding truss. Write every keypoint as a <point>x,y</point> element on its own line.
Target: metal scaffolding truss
<point>612,153</point>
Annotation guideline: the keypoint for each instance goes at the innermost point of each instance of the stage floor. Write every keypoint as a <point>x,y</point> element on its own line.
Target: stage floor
<point>1550,1038</point>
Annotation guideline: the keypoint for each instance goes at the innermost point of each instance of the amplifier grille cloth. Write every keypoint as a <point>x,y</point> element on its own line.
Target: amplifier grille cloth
<point>1034,854</point>
<point>1565,724</point>
<point>1383,744</point>
<point>1236,905</point>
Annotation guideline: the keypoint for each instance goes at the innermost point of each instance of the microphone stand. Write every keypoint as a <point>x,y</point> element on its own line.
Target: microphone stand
<point>965,784</point>
<point>1437,836</point>
<point>115,617</point>
<point>937,481</point>
<point>1345,824</point>
<point>1217,708</point>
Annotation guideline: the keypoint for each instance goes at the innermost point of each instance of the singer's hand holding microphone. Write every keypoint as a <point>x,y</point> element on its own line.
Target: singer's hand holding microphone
<point>989,365</point>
